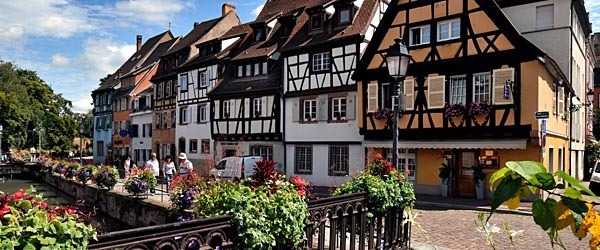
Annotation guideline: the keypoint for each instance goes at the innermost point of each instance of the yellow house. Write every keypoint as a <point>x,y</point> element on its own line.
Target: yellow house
<point>471,93</point>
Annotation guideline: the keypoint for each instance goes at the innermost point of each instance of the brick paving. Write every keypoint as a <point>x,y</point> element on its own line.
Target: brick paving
<point>455,229</point>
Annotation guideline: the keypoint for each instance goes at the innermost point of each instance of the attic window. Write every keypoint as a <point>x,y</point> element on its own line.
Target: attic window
<point>345,16</point>
<point>260,34</point>
<point>316,21</point>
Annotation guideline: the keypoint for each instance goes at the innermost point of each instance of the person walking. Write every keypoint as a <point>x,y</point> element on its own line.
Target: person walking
<point>127,166</point>
<point>185,166</point>
<point>153,165</point>
<point>168,170</point>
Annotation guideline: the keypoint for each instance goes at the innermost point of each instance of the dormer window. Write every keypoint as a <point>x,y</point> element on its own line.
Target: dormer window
<point>316,21</point>
<point>345,16</point>
<point>252,69</point>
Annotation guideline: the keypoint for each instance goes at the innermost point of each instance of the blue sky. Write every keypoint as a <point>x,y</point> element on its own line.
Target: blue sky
<point>72,44</point>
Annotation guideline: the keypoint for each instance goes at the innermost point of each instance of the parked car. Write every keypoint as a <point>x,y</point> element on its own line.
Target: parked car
<point>235,167</point>
<point>595,180</point>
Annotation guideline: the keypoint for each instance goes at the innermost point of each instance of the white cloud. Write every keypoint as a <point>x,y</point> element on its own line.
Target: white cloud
<point>593,7</point>
<point>103,56</point>
<point>257,10</point>
<point>82,105</point>
<point>152,11</point>
<point>50,18</point>
<point>59,60</point>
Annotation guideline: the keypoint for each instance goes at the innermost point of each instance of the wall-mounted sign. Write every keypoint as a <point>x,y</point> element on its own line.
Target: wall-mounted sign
<point>542,115</point>
<point>123,133</point>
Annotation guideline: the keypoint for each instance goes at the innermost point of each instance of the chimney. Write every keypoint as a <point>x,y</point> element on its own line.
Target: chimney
<point>120,73</point>
<point>196,24</point>
<point>138,39</point>
<point>227,7</point>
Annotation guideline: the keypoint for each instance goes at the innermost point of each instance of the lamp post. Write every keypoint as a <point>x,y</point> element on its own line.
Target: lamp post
<point>1,128</point>
<point>81,142</point>
<point>397,59</point>
<point>40,136</point>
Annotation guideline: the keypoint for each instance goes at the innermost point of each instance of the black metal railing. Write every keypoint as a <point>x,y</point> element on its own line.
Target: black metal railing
<point>340,222</point>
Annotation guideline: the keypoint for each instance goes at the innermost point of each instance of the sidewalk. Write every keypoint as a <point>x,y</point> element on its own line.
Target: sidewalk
<point>426,200</point>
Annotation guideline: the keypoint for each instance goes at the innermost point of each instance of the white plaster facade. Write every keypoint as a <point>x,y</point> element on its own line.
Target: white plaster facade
<point>141,119</point>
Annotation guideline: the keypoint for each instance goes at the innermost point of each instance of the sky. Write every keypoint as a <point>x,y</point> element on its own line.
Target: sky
<point>72,44</point>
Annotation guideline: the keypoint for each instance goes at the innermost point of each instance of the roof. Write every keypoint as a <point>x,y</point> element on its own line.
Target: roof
<point>196,34</point>
<point>135,59</point>
<point>154,57</point>
<point>232,85</point>
<point>122,92</point>
<point>303,37</point>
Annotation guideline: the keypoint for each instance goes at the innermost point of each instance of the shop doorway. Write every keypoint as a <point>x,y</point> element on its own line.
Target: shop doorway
<point>465,161</point>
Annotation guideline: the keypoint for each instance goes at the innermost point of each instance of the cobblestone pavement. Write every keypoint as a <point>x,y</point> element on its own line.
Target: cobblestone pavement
<point>455,229</point>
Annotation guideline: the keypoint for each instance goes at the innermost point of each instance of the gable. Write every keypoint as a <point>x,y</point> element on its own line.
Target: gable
<point>442,31</point>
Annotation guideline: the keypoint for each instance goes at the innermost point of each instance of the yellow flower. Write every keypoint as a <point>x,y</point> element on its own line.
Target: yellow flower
<point>563,216</point>
<point>514,202</point>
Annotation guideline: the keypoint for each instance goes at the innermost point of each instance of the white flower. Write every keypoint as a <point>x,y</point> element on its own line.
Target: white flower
<point>491,229</point>
<point>514,233</point>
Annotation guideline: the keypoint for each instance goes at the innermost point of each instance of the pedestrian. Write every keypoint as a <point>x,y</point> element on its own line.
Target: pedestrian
<point>127,166</point>
<point>185,166</point>
<point>168,170</point>
<point>154,166</point>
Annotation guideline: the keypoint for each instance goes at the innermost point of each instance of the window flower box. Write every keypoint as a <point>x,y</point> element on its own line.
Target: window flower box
<point>480,108</point>
<point>454,110</point>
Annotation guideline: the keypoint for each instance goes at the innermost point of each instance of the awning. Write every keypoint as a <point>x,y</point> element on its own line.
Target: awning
<point>453,144</point>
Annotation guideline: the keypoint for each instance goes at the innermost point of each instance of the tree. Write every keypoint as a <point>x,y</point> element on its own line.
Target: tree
<point>27,102</point>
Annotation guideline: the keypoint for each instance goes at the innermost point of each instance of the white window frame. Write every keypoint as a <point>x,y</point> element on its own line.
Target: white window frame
<point>408,157</point>
<point>183,82</point>
<point>248,70</point>
<point>321,61</point>
<point>183,113</point>
<point>240,71</point>
<point>263,151</point>
<point>303,159</point>
<point>338,106</point>
<point>349,16</point>
<point>193,150</point>
<point>448,32</point>
<point>256,69</point>
<point>421,35</point>
<point>485,94</point>
<point>265,69</point>
<point>202,79</point>
<point>458,94</point>
<point>202,113</point>
<point>257,107</point>
<point>311,104</point>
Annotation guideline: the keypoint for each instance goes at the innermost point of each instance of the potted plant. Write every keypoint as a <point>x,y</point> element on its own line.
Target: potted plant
<point>106,177</point>
<point>478,179</point>
<point>444,175</point>
<point>85,173</point>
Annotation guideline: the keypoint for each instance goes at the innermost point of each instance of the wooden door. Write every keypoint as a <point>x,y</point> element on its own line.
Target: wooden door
<point>466,186</point>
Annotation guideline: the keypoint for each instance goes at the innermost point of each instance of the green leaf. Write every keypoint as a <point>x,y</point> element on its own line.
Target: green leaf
<point>578,209</point>
<point>572,193</point>
<point>543,213</point>
<point>29,246</point>
<point>497,175</point>
<point>546,180</point>
<point>527,170</point>
<point>574,182</point>
<point>505,190</point>
<point>25,205</point>
<point>48,241</point>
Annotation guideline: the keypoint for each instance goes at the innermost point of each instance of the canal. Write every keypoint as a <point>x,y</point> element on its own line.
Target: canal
<point>55,197</point>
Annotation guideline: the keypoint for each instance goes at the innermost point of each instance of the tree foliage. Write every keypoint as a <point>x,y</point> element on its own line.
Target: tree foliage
<point>26,103</point>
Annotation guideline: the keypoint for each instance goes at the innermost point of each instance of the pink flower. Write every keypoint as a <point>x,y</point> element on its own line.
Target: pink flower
<point>378,156</point>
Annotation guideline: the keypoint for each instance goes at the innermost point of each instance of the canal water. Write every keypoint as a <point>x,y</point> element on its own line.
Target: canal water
<point>55,197</point>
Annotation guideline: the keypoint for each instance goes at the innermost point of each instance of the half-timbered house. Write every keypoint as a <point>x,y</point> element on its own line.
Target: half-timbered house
<point>322,140</point>
<point>167,83</point>
<point>202,74</point>
<point>141,125</point>
<point>471,91</point>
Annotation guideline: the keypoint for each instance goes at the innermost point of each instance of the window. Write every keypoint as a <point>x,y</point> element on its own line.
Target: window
<point>183,115</point>
<point>420,35</point>
<point>165,118</point>
<point>338,108</point>
<point>201,113</point>
<point>182,145</point>
<point>158,121</point>
<point>386,96</point>
<point>344,16</point>
<point>448,30</point>
<point>309,110</point>
<point>226,109</point>
<point>183,82</point>
<point>256,69</point>
<point>257,107</point>
<point>338,160</point>
<point>265,152</point>
<point>248,69</point>
<point>202,79</point>
<point>168,88</point>
<point>205,146</point>
<point>303,159</point>
<point>316,21</point>
<point>173,118</point>
<point>407,160</point>
<point>265,69</point>
<point>544,16</point>
<point>240,71</point>
<point>458,90</point>
<point>321,61</point>
<point>482,87</point>
<point>194,146</point>
<point>100,148</point>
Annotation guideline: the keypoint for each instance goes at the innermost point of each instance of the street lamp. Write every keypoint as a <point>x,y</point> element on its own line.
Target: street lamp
<point>80,142</point>
<point>397,59</point>
<point>589,101</point>
<point>1,128</point>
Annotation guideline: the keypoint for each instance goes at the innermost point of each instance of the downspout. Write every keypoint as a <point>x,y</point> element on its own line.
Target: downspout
<point>570,137</point>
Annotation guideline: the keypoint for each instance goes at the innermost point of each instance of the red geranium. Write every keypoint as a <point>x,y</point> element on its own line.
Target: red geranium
<point>19,195</point>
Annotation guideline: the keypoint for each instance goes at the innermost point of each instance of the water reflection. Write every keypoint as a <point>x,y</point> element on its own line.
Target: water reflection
<point>55,197</point>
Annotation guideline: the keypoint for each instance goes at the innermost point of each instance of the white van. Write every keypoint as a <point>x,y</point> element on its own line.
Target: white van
<point>595,180</point>
<point>235,167</point>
